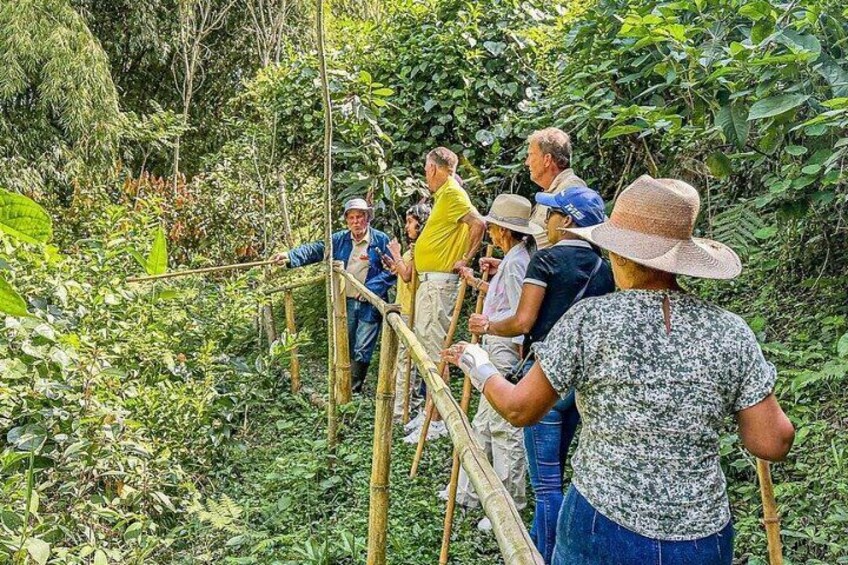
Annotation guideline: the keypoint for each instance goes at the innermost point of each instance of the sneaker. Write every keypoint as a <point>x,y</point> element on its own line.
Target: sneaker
<point>485,525</point>
<point>437,430</point>
<point>443,494</point>
<point>414,423</point>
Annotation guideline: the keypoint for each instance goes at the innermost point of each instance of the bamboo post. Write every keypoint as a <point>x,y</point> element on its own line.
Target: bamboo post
<point>343,385</point>
<point>407,371</point>
<point>463,405</point>
<point>201,271</point>
<point>378,509</point>
<point>327,105</point>
<point>443,367</point>
<point>771,519</point>
<point>294,368</point>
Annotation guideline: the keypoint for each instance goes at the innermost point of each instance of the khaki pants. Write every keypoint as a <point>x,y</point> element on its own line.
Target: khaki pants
<point>502,442</point>
<point>434,303</point>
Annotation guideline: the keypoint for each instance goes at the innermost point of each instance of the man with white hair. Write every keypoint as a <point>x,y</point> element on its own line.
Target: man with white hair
<point>450,240</point>
<point>360,248</point>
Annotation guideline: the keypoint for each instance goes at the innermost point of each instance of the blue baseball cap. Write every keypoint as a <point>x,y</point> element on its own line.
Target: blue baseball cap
<point>584,205</point>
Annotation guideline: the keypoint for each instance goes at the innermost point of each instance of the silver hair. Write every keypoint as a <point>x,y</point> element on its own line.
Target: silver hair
<point>443,158</point>
<point>553,142</point>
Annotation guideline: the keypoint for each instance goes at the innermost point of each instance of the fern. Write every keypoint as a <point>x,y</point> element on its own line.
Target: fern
<point>738,227</point>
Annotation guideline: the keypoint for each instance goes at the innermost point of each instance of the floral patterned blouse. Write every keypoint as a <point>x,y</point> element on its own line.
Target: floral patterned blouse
<point>653,398</point>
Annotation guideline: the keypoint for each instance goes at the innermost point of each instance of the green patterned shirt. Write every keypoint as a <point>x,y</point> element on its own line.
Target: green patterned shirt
<point>653,404</point>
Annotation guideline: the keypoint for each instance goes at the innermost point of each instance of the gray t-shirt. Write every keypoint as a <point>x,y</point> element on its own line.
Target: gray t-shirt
<point>653,403</point>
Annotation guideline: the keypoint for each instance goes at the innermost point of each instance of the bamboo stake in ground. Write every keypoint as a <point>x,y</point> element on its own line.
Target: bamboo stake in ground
<point>294,367</point>
<point>463,405</point>
<point>343,386</point>
<point>443,367</point>
<point>378,509</point>
<point>407,371</point>
<point>201,271</point>
<point>771,520</point>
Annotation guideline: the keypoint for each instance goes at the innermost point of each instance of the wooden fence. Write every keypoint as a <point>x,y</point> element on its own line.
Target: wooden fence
<point>512,537</point>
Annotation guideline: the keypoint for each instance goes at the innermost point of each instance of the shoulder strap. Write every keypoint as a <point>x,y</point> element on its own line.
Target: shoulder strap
<point>580,294</point>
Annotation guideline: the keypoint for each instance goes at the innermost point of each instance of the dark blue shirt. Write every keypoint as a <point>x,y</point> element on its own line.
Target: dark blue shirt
<point>562,270</point>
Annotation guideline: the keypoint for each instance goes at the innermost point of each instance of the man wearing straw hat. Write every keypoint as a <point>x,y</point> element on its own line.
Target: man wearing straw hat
<point>658,372</point>
<point>360,248</point>
<point>448,242</point>
<point>511,231</point>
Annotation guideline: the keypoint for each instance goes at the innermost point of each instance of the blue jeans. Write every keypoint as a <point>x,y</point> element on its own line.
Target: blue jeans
<point>587,537</point>
<point>361,335</point>
<point>547,446</point>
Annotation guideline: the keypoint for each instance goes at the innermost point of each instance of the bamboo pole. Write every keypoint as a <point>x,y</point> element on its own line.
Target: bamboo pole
<point>294,367</point>
<point>512,537</point>
<point>407,370</point>
<point>343,385</point>
<point>201,271</point>
<point>378,509</point>
<point>771,519</point>
<point>328,220</point>
<point>463,405</point>
<point>443,367</point>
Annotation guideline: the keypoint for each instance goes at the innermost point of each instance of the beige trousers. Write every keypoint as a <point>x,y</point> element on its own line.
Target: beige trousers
<point>434,303</point>
<point>502,442</point>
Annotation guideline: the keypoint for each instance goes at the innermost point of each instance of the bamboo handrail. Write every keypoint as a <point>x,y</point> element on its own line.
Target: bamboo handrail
<point>382,306</point>
<point>463,404</point>
<point>512,537</point>
<point>771,519</point>
<point>201,271</point>
<point>443,367</point>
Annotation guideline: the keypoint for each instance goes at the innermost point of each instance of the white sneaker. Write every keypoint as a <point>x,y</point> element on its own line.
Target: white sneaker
<point>485,525</point>
<point>414,423</point>
<point>443,494</point>
<point>437,430</point>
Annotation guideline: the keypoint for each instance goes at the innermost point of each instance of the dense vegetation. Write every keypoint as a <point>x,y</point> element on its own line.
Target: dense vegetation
<point>152,423</point>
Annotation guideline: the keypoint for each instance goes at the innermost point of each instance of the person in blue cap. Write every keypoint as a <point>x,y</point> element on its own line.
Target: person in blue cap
<point>557,278</point>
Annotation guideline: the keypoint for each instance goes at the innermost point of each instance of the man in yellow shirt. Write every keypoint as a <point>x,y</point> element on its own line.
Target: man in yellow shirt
<point>448,242</point>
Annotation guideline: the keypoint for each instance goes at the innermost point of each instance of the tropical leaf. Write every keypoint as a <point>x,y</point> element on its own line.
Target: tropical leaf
<point>775,105</point>
<point>38,549</point>
<point>23,219</point>
<point>157,261</point>
<point>10,301</point>
<point>738,227</point>
<point>732,121</point>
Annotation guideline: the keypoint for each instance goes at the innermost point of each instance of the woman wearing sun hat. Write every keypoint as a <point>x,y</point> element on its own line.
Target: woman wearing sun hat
<point>657,371</point>
<point>511,231</point>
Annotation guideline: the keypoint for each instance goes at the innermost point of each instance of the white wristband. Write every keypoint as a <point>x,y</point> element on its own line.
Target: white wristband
<point>476,364</point>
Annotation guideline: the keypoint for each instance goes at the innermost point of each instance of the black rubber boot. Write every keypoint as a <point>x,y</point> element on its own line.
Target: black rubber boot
<point>358,373</point>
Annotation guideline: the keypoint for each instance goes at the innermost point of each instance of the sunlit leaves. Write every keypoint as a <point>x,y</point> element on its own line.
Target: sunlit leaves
<point>157,259</point>
<point>23,219</point>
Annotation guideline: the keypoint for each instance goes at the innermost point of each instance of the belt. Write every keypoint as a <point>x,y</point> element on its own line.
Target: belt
<point>438,277</point>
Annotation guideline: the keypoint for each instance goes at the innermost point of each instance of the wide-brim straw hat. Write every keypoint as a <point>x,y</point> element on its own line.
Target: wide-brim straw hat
<point>513,212</point>
<point>652,224</point>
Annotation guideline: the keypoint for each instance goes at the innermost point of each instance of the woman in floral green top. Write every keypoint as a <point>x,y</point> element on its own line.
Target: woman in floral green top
<point>656,371</point>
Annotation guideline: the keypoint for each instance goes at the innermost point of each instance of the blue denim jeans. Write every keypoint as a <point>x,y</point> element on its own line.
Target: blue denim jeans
<point>547,446</point>
<point>587,537</point>
<point>361,335</point>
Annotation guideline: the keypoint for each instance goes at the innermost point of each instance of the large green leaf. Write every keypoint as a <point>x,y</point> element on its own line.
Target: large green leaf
<point>10,301</point>
<point>775,105</point>
<point>731,120</point>
<point>23,219</point>
<point>38,549</point>
<point>157,261</point>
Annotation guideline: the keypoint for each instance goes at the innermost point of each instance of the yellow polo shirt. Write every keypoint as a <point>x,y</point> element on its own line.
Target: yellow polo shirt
<point>444,239</point>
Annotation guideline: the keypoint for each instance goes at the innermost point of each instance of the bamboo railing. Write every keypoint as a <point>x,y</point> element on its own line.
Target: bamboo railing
<point>512,537</point>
